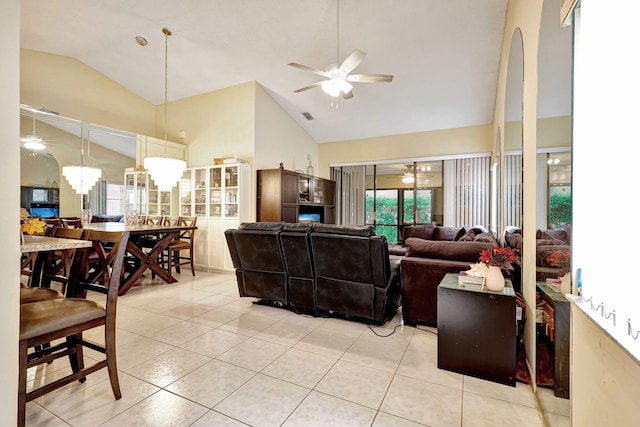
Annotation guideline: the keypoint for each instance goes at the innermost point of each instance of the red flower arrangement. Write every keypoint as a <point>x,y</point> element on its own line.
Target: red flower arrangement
<point>560,260</point>
<point>499,257</point>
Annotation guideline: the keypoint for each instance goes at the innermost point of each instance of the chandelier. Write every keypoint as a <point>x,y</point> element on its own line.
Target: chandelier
<point>165,171</point>
<point>81,178</point>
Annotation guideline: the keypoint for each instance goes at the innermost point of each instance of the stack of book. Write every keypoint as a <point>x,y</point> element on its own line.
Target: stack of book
<point>554,284</point>
<point>464,278</point>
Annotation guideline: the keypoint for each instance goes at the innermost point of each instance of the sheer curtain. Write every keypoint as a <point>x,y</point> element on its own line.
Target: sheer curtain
<point>350,192</point>
<point>466,192</point>
<point>513,190</point>
<point>98,198</point>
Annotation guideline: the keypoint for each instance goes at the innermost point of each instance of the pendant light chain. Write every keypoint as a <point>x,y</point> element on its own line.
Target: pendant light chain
<point>167,33</point>
<point>338,32</point>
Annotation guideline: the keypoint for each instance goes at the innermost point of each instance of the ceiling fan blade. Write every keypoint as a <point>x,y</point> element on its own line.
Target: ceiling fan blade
<point>370,78</point>
<point>310,69</point>
<point>352,61</point>
<point>347,95</point>
<point>302,89</point>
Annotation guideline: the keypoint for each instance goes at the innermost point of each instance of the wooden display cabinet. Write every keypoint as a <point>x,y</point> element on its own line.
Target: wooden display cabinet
<point>289,196</point>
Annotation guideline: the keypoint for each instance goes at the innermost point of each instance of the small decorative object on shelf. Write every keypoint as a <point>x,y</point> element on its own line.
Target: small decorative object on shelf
<point>497,260</point>
<point>310,169</point>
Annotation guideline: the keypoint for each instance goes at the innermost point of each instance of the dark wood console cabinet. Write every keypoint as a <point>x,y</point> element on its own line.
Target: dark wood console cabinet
<point>289,196</point>
<point>477,331</point>
<point>559,340</point>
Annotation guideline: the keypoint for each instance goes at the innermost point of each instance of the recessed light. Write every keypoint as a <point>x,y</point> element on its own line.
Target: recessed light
<point>141,40</point>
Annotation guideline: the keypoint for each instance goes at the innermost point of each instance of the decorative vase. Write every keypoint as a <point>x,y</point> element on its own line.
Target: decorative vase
<point>310,169</point>
<point>494,280</point>
<point>565,284</point>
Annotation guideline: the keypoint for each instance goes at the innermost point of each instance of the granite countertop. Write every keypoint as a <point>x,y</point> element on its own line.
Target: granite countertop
<point>44,243</point>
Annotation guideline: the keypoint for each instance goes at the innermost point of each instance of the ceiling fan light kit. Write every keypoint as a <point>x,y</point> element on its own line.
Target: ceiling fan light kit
<point>339,80</point>
<point>32,142</point>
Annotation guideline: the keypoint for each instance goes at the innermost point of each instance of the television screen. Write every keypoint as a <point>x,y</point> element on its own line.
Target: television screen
<point>44,210</point>
<point>309,217</point>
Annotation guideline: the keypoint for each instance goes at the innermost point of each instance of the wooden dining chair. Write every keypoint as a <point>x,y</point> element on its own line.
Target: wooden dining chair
<point>184,242</point>
<point>71,222</point>
<point>154,220</point>
<point>58,263</point>
<point>45,322</point>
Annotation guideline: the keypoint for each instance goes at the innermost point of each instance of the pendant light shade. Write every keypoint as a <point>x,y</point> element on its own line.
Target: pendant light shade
<point>165,171</point>
<point>81,178</point>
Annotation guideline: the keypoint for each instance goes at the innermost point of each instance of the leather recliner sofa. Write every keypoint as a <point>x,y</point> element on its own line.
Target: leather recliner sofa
<point>328,269</point>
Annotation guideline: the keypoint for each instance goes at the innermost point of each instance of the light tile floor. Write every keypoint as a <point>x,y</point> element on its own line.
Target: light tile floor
<point>195,354</point>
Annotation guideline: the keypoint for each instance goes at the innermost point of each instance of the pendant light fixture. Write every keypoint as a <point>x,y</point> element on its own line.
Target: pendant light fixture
<point>165,171</point>
<point>82,178</point>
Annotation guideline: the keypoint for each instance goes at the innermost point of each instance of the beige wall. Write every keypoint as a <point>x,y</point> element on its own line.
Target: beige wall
<point>9,214</point>
<point>474,139</point>
<point>217,124</point>
<point>279,138</point>
<point>74,90</point>
<point>605,381</point>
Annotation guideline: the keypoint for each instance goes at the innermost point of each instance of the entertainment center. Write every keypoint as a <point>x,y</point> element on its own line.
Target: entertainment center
<point>289,196</point>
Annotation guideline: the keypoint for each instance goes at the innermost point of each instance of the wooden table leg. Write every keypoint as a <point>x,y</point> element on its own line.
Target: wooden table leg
<point>149,261</point>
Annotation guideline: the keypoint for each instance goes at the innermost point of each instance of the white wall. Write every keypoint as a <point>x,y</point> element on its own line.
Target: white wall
<point>9,214</point>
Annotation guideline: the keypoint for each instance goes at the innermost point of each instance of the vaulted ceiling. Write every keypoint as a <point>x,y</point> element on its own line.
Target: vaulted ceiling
<point>444,55</point>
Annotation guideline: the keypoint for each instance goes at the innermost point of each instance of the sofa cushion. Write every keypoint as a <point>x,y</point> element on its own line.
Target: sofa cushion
<point>438,249</point>
<point>559,235</point>
<point>469,236</point>
<point>298,227</point>
<point>420,231</point>
<point>349,230</point>
<point>485,237</point>
<point>267,226</point>
<point>514,240</point>
<point>449,233</point>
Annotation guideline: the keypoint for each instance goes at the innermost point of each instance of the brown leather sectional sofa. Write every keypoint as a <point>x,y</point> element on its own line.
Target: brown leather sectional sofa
<point>319,269</point>
<point>547,242</point>
<point>430,253</point>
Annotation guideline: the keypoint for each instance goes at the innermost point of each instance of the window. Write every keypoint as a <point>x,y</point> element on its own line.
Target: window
<point>401,194</point>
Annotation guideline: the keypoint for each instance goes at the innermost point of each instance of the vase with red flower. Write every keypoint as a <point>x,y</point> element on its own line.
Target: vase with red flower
<point>497,260</point>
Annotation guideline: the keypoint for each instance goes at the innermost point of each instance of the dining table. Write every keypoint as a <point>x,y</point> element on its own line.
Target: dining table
<point>41,246</point>
<point>145,259</point>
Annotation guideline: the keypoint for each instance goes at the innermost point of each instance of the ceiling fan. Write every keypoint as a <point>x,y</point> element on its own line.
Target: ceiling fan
<point>338,77</point>
<point>33,141</point>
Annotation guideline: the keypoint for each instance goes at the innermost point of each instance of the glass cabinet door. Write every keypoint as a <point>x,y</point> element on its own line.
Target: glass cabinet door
<point>200,192</point>
<point>153,195</point>
<point>318,191</point>
<point>303,189</point>
<point>215,200</point>
<point>231,192</point>
<point>186,187</point>
<point>135,192</point>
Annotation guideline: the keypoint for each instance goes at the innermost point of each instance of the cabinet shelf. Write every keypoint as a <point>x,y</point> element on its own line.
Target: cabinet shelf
<point>289,196</point>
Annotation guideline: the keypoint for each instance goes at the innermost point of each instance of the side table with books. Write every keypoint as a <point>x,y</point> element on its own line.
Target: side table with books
<point>477,330</point>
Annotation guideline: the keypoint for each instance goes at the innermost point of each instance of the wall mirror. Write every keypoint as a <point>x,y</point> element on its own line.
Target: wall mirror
<point>69,142</point>
<point>553,209</point>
